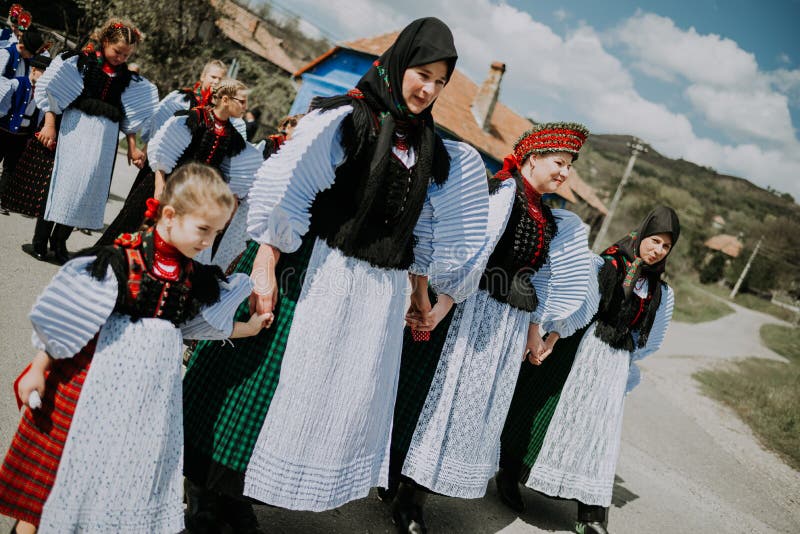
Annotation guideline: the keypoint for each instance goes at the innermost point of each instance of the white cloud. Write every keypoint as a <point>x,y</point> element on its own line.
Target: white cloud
<point>784,58</point>
<point>726,86</point>
<point>573,76</point>
<point>756,113</point>
<point>561,14</point>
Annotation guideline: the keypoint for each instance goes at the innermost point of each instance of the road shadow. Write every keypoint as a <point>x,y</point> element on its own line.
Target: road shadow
<point>442,514</point>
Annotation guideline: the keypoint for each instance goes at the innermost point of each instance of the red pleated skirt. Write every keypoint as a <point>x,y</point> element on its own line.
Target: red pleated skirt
<point>29,469</point>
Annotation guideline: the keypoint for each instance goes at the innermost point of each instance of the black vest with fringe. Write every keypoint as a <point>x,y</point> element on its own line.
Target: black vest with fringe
<point>206,146</point>
<point>514,259</point>
<point>102,94</point>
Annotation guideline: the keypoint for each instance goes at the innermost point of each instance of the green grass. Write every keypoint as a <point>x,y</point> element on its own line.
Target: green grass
<point>692,305</point>
<point>748,300</point>
<point>765,393</point>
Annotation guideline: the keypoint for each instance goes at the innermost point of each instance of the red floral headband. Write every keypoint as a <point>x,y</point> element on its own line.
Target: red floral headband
<point>551,137</point>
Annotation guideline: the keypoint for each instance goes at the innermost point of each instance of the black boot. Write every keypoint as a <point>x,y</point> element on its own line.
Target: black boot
<point>239,514</point>
<point>591,519</point>
<point>507,481</point>
<point>387,495</point>
<point>407,509</point>
<point>202,510</point>
<point>41,234</point>
<point>58,243</point>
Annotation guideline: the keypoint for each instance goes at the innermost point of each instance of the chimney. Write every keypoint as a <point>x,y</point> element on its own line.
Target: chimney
<point>483,106</point>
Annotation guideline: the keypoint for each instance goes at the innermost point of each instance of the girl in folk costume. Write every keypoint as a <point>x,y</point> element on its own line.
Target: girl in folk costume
<point>180,100</point>
<point>564,427</point>
<point>455,389</point>
<point>103,453</point>
<point>206,135</point>
<point>363,193</point>
<point>96,96</point>
<point>19,120</point>
<point>199,95</point>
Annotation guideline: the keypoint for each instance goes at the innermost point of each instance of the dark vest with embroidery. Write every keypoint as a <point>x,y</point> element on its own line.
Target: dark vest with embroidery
<point>381,233</point>
<point>206,146</point>
<point>14,58</point>
<point>12,121</point>
<point>142,294</point>
<point>617,319</point>
<point>519,253</point>
<point>102,94</point>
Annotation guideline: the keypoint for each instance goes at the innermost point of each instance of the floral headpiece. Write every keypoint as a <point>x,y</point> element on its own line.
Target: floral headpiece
<point>551,137</point>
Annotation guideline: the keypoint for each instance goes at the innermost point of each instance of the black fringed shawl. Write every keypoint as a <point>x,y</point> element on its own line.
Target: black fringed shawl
<point>373,206</point>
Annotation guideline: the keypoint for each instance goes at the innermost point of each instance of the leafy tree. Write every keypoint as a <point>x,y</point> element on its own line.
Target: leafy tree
<point>713,269</point>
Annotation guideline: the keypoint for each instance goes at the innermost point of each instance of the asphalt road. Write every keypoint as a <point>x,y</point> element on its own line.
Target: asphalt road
<point>688,465</point>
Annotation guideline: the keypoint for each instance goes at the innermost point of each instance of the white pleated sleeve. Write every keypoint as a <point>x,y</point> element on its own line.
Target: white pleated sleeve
<point>72,308</point>
<point>656,337</point>
<point>7,90</point>
<point>584,314</point>
<point>139,101</point>
<point>168,144</point>
<point>5,57</point>
<point>287,183</point>
<point>241,170</point>
<point>240,126</point>
<point>216,321</point>
<point>454,234</point>
<point>563,281</point>
<point>59,86</point>
<point>166,108</point>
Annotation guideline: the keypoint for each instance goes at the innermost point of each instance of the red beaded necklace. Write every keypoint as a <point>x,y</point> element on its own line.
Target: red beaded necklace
<point>167,259</point>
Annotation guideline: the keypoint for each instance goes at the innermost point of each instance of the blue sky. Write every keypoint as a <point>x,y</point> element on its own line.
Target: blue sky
<point>714,82</point>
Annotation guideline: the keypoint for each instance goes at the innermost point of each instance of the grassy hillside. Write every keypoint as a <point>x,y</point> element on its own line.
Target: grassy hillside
<point>698,194</point>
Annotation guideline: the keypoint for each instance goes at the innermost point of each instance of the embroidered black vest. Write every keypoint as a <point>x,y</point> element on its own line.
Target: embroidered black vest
<point>206,146</point>
<point>141,293</point>
<point>617,318</point>
<point>102,94</point>
<point>381,234</point>
<point>519,253</point>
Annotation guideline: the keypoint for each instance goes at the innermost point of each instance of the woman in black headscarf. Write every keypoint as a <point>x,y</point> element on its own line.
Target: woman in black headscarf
<point>363,194</point>
<point>564,427</point>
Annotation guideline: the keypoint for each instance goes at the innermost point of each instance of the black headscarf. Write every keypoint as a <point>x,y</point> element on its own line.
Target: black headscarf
<point>379,93</point>
<point>618,310</point>
<point>662,220</point>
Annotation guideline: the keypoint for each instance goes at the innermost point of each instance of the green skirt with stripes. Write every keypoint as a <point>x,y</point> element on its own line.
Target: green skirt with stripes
<point>228,388</point>
<point>535,399</point>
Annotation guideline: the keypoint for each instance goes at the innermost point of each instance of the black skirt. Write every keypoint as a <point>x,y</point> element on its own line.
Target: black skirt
<point>27,186</point>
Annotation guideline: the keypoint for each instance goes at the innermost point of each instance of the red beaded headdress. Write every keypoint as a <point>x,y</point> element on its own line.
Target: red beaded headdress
<point>551,137</point>
<point>14,12</point>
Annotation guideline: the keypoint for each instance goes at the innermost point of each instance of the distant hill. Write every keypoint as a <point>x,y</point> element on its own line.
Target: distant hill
<point>698,194</point>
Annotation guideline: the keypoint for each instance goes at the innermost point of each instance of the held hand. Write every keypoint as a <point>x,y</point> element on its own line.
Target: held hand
<point>259,321</point>
<point>426,322</point>
<point>534,345</point>
<point>547,346</point>
<point>47,136</point>
<point>34,380</point>
<point>137,157</point>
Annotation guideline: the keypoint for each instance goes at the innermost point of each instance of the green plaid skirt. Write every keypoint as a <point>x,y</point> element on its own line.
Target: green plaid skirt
<point>417,368</point>
<point>227,389</point>
<point>535,399</point>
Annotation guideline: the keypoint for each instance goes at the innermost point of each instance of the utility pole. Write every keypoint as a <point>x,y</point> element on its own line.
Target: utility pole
<point>637,147</point>
<point>746,268</point>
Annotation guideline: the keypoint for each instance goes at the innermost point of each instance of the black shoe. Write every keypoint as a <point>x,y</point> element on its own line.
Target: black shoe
<point>202,510</point>
<point>387,495</point>
<point>4,211</point>
<point>60,252</point>
<point>590,527</point>
<point>37,251</point>
<point>408,519</point>
<point>508,490</point>
<point>241,516</point>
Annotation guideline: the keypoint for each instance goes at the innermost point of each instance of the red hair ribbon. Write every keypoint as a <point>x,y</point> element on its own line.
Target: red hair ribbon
<point>15,10</point>
<point>152,208</point>
<point>24,20</point>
